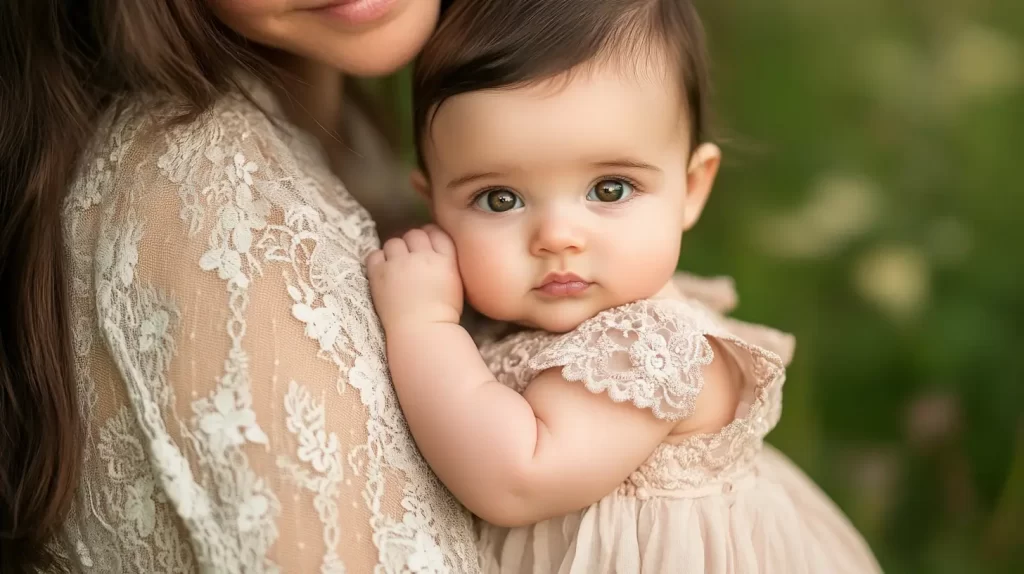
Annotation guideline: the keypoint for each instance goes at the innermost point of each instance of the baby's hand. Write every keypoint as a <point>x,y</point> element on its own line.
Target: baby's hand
<point>416,278</point>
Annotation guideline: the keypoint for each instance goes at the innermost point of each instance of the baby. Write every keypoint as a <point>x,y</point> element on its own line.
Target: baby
<point>565,153</point>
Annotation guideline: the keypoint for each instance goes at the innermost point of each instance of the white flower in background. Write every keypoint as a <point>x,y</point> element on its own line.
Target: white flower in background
<point>843,206</point>
<point>981,62</point>
<point>789,235</point>
<point>976,62</point>
<point>896,278</point>
<point>840,208</point>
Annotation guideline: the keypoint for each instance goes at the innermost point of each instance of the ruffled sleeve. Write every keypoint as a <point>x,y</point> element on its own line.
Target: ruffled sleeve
<point>650,353</point>
<point>718,294</point>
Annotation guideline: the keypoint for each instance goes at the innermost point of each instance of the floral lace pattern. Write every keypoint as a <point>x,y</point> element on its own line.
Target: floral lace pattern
<point>652,354</point>
<point>642,353</point>
<point>238,411</point>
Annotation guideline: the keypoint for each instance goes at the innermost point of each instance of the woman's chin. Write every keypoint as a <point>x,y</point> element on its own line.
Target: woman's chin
<point>370,49</point>
<point>386,49</point>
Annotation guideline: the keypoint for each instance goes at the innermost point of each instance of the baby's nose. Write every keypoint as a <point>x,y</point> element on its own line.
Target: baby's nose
<point>557,234</point>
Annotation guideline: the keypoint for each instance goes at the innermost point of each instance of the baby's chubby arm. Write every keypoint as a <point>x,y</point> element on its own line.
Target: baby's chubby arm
<point>511,459</point>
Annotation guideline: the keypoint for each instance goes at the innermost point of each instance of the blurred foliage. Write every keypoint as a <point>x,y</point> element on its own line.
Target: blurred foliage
<point>869,204</point>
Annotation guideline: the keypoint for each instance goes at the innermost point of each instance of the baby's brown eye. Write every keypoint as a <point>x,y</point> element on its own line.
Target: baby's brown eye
<point>498,201</point>
<point>610,191</point>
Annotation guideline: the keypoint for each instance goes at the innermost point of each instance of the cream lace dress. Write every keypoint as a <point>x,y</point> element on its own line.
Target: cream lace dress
<point>718,503</point>
<point>238,414</point>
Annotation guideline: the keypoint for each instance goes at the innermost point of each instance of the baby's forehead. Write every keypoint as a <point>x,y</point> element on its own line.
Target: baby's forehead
<point>603,100</point>
<point>595,116</point>
<point>651,74</point>
<point>638,70</point>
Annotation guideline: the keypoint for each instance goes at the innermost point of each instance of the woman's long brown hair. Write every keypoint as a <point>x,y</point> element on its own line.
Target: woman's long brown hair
<point>62,63</point>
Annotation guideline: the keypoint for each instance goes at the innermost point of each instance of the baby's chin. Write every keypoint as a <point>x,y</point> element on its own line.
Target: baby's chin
<point>553,325</point>
<point>553,315</point>
<point>550,318</point>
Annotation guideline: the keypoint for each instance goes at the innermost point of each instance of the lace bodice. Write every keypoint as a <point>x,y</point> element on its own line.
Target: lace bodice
<point>237,407</point>
<point>652,353</point>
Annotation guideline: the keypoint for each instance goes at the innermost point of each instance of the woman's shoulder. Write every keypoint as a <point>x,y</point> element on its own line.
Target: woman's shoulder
<point>149,154</point>
<point>222,194</point>
<point>150,136</point>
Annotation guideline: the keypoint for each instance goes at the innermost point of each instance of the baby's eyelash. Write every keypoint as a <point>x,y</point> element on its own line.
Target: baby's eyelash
<point>638,190</point>
<point>475,197</point>
<point>632,182</point>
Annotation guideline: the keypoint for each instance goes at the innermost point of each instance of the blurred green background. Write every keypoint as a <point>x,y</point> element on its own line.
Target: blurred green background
<point>870,204</point>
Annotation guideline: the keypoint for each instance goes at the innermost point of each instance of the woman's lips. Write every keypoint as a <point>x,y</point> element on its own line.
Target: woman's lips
<point>358,12</point>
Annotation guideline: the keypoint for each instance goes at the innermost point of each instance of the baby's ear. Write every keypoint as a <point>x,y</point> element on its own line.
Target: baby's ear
<point>421,184</point>
<point>700,178</point>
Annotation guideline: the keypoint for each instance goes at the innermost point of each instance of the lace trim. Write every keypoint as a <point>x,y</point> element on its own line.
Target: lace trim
<point>646,353</point>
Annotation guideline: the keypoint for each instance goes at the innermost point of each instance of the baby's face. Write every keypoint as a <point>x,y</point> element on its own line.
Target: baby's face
<point>564,198</point>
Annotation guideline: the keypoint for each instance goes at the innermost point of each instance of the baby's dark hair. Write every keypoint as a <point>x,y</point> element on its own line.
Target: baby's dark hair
<point>491,44</point>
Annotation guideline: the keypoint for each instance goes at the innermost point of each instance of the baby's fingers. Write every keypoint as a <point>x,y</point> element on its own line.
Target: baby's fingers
<point>375,258</point>
<point>417,240</point>
<point>394,248</point>
<point>441,241</point>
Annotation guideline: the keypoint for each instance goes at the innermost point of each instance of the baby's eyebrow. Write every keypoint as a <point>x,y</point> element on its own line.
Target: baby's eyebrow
<point>626,163</point>
<point>470,178</point>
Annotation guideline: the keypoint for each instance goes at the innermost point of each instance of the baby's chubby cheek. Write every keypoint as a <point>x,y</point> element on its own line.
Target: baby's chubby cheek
<point>643,273</point>
<point>491,284</point>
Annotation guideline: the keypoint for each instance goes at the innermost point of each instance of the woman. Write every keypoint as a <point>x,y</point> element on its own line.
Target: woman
<point>192,377</point>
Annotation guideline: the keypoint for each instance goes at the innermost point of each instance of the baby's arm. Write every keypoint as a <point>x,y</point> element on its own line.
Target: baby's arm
<point>510,459</point>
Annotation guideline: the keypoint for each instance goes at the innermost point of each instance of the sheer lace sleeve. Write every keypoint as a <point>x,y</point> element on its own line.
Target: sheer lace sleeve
<point>239,412</point>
